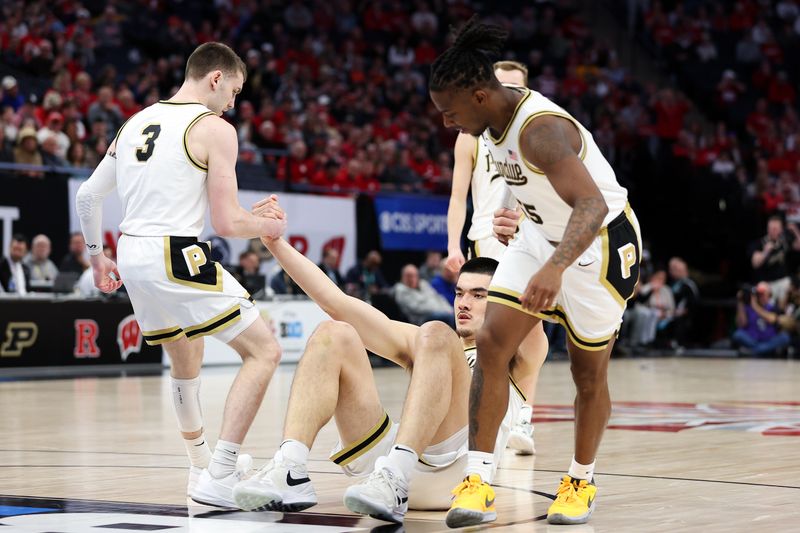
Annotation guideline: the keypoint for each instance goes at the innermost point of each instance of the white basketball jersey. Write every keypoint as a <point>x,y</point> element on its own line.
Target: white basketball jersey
<point>487,188</point>
<point>162,187</point>
<point>530,186</point>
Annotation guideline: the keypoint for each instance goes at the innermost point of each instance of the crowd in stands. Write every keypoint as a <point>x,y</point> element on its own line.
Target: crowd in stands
<point>336,100</point>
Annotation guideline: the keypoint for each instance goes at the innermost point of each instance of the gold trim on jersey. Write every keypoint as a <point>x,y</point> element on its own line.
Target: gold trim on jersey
<point>509,298</point>
<point>216,287</point>
<point>350,453</point>
<point>607,257</point>
<point>584,146</point>
<point>119,131</point>
<point>198,165</point>
<point>475,155</point>
<point>513,116</point>
<point>160,336</point>
<point>217,323</point>
<point>179,103</point>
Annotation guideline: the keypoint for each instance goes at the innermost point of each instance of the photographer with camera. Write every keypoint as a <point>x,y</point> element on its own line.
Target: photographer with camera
<point>769,255</point>
<point>758,321</point>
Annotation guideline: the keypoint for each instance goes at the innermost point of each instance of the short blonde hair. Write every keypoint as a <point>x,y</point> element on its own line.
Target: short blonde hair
<point>513,65</point>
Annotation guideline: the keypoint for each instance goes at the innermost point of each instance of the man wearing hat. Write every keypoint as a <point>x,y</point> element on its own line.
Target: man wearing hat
<point>27,151</point>
<point>11,95</point>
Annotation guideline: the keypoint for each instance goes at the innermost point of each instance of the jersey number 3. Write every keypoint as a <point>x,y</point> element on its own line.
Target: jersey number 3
<point>152,132</point>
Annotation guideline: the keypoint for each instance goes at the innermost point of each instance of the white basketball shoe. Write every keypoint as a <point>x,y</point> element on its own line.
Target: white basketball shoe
<point>280,485</point>
<point>219,492</point>
<point>383,495</point>
<point>521,436</point>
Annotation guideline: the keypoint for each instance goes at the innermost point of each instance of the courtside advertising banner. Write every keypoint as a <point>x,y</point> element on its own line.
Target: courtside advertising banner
<point>412,222</point>
<point>315,223</point>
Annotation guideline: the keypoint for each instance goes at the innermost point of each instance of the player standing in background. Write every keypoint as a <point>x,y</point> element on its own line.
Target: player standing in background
<point>169,162</point>
<point>575,260</point>
<point>474,170</point>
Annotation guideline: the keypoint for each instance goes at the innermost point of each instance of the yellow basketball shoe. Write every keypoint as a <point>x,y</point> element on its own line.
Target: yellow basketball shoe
<point>574,502</point>
<point>473,503</point>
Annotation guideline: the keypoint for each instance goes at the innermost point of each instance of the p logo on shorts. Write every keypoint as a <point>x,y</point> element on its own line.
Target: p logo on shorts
<point>188,263</point>
<point>627,259</point>
<point>195,258</point>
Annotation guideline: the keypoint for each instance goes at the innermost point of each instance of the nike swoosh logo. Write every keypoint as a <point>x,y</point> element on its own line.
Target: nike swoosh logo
<point>484,462</point>
<point>488,503</point>
<point>585,264</point>
<point>292,482</point>
<point>402,449</point>
<point>201,444</point>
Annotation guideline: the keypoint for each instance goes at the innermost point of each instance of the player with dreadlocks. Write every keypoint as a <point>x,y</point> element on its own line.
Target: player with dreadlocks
<point>575,261</point>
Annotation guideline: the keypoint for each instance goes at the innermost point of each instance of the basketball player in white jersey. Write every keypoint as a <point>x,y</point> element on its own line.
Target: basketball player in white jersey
<point>412,464</point>
<point>575,260</point>
<point>168,163</point>
<point>474,169</point>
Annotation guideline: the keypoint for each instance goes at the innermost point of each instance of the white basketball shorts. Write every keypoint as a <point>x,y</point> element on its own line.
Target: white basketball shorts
<point>177,290</point>
<point>594,290</point>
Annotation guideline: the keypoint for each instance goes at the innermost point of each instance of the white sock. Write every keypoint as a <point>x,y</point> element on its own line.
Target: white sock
<point>402,459</point>
<point>293,451</point>
<point>199,451</point>
<point>223,462</point>
<point>481,463</point>
<point>579,471</point>
<point>525,413</point>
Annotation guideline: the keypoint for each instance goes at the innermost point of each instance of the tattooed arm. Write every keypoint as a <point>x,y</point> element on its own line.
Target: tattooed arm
<point>552,144</point>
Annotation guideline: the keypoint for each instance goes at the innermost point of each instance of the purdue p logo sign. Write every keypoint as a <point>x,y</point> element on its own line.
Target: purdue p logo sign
<point>19,335</point>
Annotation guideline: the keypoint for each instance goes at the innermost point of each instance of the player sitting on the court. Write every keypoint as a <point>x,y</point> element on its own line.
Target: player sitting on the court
<point>411,464</point>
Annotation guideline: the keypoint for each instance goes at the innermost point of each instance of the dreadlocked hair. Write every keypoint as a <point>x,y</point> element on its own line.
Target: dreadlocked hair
<point>469,61</point>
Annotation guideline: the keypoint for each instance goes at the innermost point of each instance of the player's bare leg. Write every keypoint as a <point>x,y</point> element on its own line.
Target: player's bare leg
<point>504,328</point>
<point>498,340</point>
<point>333,379</point>
<point>260,355</point>
<point>435,410</point>
<point>436,402</point>
<point>526,366</point>
<point>576,494</point>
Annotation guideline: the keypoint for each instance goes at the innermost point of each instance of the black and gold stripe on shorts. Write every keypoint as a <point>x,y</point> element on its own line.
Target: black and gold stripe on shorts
<point>516,388</point>
<point>361,446</point>
<point>511,299</point>
<point>215,324</point>
<point>161,336</point>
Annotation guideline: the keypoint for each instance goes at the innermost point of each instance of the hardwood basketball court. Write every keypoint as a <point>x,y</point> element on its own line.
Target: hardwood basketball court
<point>693,445</point>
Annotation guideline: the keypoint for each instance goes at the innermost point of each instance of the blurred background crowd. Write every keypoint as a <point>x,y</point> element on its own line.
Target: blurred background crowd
<point>693,103</point>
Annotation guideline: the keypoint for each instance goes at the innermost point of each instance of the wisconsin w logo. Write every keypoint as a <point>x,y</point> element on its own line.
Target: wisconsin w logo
<point>19,335</point>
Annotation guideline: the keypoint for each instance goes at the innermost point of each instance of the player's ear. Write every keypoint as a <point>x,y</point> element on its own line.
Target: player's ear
<point>216,78</point>
<point>479,96</point>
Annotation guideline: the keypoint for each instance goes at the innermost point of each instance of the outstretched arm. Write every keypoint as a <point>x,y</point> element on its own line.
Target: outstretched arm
<point>388,338</point>
<point>457,210</point>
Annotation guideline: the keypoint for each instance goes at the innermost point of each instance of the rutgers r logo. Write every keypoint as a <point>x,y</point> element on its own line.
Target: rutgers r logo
<point>19,335</point>
<point>86,331</point>
<point>129,337</point>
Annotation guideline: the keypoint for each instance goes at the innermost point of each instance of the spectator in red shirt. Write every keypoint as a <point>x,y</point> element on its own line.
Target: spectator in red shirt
<point>670,111</point>
<point>758,120</point>
<point>781,90</point>
<point>297,166</point>
<point>127,104</point>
